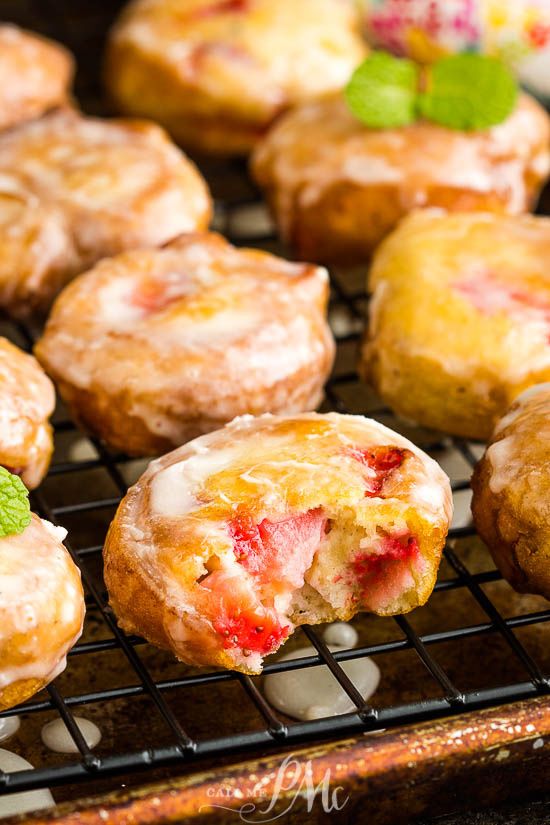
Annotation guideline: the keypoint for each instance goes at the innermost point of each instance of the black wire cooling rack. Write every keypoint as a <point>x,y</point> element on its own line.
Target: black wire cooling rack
<point>242,219</point>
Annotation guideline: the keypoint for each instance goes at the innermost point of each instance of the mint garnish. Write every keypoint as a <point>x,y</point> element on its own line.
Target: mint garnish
<point>15,511</point>
<point>463,92</point>
<point>382,91</point>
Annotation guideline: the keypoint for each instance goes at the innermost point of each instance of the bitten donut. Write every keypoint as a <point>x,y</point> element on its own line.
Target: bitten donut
<point>215,73</point>
<point>459,317</point>
<point>510,493</point>
<point>337,187</point>
<point>74,189</point>
<point>36,75</point>
<point>155,347</point>
<point>27,399</point>
<point>227,544</point>
<point>41,610</point>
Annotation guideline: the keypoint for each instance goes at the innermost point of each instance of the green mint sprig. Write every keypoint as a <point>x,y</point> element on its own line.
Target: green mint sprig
<point>465,91</point>
<point>15,511</point>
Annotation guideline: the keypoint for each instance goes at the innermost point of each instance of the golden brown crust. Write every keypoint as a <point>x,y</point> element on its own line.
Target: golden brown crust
<point>41,610</point>
<point>156,347</point>
<point>36,75</point>
<point>186,567</point>
<point>75,189</point>
<point>348,222</point>
<point>27,400</point>
<point>510,493</point>
<point>336,196</point>
<point>459,318</point>
<point>216,74</point>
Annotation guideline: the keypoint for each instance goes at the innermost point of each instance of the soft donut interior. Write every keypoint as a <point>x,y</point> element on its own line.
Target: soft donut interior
<point>311,567</point>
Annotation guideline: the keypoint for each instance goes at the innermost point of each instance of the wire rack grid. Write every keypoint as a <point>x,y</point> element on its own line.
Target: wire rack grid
<point>276,731</point>
<point>241,217</point>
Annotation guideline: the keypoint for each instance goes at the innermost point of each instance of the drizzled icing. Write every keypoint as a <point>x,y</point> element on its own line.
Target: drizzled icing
<point>522,439</point>
<point>89,188</point>
<point>254,529</point>
<point>484,307</point>
<point>188,336</point>
<point>255,57</point>
<point>41,602</point>
<point>261,463</point>
<point>20,803</point>
<point>26,402</point>
<point>35,72</point>
<point>416,157</point>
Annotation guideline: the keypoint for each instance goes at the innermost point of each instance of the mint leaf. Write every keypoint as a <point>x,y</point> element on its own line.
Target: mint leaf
<point>15,511</point>
<point>468,91</point>
<point>382,91</point>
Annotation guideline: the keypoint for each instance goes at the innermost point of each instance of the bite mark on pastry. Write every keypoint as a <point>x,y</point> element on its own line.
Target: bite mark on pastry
<point>237,538</point>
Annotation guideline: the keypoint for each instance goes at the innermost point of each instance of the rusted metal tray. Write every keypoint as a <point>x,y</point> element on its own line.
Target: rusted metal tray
<point>463,699</point>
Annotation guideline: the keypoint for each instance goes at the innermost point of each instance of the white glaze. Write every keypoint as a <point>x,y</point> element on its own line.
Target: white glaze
<point>38,584</point>
<point>505,456</point>
<point>341,634</point>
<point>174,490</point>
<point>534,71</point>
<point>531,392</point>
<point>9,725</point>
<point>55,735</point>
<point>504,462</point>
<point>292,469</point>
<point>415,157</point>
<point>271,55</point>
<point>314,692</point>
<point>20,803</point>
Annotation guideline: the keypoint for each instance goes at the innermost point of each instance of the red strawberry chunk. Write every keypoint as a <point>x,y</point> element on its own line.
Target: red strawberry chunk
<point>247,542</point>
<point>153,296</point>
<point>278,551</point>
<point>490,295</point>
<point>251,632</point>
<point>381,461</point>
<point>223,7</point>
<point>372,568</point>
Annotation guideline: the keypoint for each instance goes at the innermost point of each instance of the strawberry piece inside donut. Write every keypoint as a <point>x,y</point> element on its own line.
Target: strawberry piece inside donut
<point>223,7</point>
<point>251,632</point>
<point>370,568</point>
<point>154,295</point>
<point>240,618</point>
<point>381,462</point>
<point>277,550</point>
<point>381,575</point>
<point>490,296</point>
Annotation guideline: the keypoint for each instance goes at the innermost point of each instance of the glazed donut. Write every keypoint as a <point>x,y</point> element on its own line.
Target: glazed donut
<point>75,189</point>
<point>459,318</point>
<point>337,187</point>
<point>27,399</point>
<point>155,347</point>
<point>41,610</point>
<point>36,75</point>
<point>227,544</point>
<point>215,73</point>
<point>510,493</point>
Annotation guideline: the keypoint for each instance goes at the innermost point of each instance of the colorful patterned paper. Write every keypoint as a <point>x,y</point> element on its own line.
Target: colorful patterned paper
<point>427,29</point>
